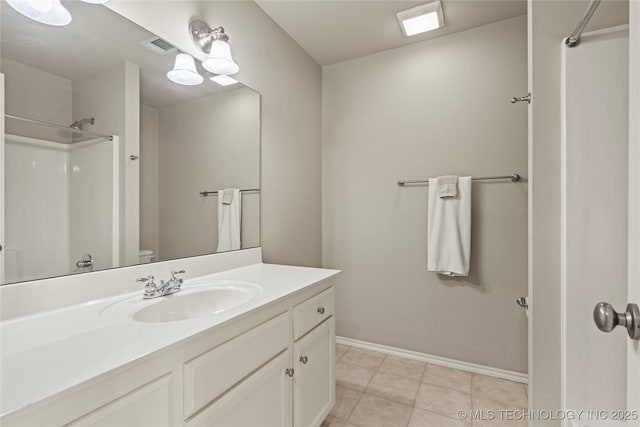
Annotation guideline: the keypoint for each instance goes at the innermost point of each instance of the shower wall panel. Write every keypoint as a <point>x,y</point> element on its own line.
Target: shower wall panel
<point>36,209</point>
<point>91,213</point>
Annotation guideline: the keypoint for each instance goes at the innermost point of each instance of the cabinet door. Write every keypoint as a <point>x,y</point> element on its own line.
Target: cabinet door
<point>314,379</point>
<point>261,400</point>
<point>150,406</point>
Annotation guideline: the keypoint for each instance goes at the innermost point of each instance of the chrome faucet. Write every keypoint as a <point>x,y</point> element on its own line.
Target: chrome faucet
<point>152,290</point>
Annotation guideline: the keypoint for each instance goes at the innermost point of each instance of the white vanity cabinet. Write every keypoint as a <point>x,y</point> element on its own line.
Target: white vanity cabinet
<point>314,359</point>
<point>261,400</point>
<point>314,385</point>
<point>271,367</point>
<point>296,388</point>
<point>149,405</point>
<point>211,374</point>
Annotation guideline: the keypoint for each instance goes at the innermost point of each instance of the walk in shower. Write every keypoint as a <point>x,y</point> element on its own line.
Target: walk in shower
<point>61,200</point>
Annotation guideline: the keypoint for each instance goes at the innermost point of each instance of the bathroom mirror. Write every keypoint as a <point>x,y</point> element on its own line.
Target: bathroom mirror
<point>108,163</point>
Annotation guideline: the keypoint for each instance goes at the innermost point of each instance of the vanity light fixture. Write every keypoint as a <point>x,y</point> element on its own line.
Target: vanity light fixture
<point>215,43</point>
<point>420,19</point>
<point>184,71</point>
<point>223,80</point>
<point>49,12</point>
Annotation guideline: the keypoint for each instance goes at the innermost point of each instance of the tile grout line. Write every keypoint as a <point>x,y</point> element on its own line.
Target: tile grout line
<point>377,370</point>
<point>473,378</point>
<point>421,381</point>
<point>347,421</point>
<point>363,391</point>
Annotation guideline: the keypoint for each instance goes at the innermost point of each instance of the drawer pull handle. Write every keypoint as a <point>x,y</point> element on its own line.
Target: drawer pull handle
<point>289,372</point>
<point>304,360</point>
<point>321,310</point>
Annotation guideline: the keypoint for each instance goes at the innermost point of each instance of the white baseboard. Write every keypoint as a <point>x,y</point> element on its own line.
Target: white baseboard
<point>437,360</point>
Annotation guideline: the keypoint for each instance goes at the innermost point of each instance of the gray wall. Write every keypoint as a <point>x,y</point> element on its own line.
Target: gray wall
<point>206,144</point>
<point>290,83</point>
<point>550,23</point>
<point>149,179</point>
<point>433,108</point>
<point>112,96</point>
<point>36,94</point>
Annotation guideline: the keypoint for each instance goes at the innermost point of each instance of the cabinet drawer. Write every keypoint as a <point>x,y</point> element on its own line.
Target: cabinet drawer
<point>212,373</point>
<point>313,311</point>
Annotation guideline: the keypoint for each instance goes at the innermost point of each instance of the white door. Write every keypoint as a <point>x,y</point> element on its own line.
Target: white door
<point>601,223</point>
<point>2,243</point>
<point>633,286</point>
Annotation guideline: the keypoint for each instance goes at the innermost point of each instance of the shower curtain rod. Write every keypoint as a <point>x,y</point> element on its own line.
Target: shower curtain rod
<point>574,38</point>
<point>53,125</point>
<point>214,193</point>
<point>513,177</point>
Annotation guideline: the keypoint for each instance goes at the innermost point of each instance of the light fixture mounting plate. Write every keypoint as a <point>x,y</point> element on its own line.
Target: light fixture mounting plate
<point>202,35</point>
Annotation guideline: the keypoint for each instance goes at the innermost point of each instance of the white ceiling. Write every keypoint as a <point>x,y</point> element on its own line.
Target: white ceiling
<point>96,40</point>
<point>338,30</point>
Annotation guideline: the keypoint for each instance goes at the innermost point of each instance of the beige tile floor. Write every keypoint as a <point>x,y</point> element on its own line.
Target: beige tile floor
<point>377,390</point>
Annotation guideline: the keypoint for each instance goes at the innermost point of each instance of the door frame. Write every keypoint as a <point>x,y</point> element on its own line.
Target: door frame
<point>633,276</point>
<point>2,242</point>
<point>530,297</point>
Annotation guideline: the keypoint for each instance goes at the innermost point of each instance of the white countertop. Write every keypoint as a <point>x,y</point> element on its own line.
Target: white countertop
<point>49,352</point>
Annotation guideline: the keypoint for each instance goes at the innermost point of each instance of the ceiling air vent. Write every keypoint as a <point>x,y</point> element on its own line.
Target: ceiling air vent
<point>158,45</point>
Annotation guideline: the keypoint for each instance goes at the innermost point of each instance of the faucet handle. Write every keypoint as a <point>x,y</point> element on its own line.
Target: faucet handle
<point>149,287</point>
<point>174,273</point>
<point>145,279</point>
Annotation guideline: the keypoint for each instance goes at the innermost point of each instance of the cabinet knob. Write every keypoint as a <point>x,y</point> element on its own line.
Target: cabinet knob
<point>321,310</point>
<point>304,359</point>
<point>289,372</point>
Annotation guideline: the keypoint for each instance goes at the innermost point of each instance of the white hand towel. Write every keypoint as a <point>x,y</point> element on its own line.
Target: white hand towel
<point>226,196</point>
<point>449,229</point>
<point>447,186</point>
<point>229,220</point>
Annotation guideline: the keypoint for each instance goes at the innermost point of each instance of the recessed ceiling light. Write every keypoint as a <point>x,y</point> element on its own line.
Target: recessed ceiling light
<point>223,80</point>
<point>420,19</point>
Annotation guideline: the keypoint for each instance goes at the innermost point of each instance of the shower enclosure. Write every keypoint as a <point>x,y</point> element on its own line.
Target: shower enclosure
<point>60,185</point>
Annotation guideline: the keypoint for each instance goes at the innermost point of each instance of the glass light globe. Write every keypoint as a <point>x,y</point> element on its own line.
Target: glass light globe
<point>184,71</point>
<point>49,12</point>
<point>219,60</point>
<point>41,5</point>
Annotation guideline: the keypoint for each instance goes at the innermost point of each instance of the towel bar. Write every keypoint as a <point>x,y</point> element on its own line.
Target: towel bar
<point>513,177</point>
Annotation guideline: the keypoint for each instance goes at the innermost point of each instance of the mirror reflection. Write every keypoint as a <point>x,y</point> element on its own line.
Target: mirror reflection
<point>108,163</point>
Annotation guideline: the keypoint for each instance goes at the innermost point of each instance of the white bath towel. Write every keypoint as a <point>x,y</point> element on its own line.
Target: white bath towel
<point>449,230</point>
<point>229,220</point>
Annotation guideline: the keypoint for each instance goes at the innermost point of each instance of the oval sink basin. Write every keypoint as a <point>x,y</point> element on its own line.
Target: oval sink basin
<point>204,299</point>
<point>187,306</point>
